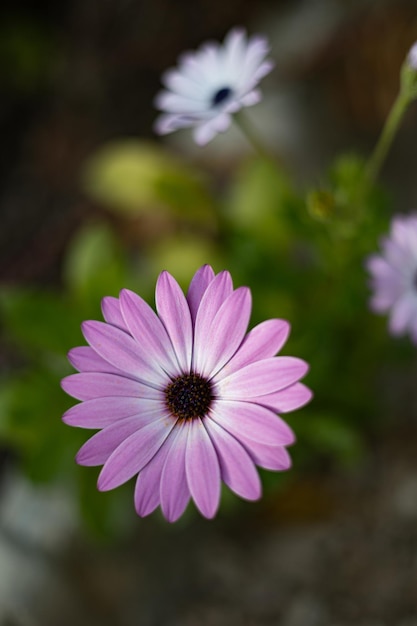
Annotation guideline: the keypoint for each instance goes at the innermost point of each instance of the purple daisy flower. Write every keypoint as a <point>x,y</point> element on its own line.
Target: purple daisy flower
<point>183,398</point>
<point>394,276</point>
<point>211,84</point>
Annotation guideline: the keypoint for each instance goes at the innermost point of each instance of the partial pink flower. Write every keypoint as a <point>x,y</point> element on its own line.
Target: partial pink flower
<point>412,56</point>
<point>184,398</point>
<point>211,84</point>
<point>394,276</point>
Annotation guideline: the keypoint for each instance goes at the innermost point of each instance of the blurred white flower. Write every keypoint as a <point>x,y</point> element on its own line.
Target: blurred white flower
<point>212,83</point>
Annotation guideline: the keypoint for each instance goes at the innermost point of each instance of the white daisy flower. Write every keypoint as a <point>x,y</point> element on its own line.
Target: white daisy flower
<point>212,83</point>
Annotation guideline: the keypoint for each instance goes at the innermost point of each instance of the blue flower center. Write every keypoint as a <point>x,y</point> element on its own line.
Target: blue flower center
<point>220,96</point>
<point>189,396</point>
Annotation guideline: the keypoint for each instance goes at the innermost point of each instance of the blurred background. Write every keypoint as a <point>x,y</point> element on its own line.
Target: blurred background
<point>92,201</point>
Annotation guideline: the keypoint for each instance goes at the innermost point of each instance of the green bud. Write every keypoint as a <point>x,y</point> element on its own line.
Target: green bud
<point>321,204</point>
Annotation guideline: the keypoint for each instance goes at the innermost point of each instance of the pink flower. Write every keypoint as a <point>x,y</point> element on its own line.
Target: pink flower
<point>394,276</point>
<point>211,84</point>
<point>183,398</point>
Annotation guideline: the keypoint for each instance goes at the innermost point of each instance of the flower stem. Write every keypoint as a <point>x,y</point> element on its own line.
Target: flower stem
<point>387,136</point>
<point>251,135</point>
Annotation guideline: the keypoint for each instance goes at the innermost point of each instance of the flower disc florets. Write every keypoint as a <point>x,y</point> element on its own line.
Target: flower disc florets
<point>189,396</point>
<point>184,397</point>
<point>221,95</point>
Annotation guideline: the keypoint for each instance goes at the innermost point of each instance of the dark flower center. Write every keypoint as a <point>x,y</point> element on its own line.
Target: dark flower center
<point>415,280</point>
<point>220,96</point>
<point>189,396</point>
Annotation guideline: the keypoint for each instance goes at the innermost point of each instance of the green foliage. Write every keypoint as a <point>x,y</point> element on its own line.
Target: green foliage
<point>95,266</point>
<point>261,202</point>
<point>30,403</point>
<point>27,52</point>
<point>134,177</point>
<point>332,435</point>
<point>36,320</point>
<point>44,326</point>
<point>301,256</point>
<point>348,203</point>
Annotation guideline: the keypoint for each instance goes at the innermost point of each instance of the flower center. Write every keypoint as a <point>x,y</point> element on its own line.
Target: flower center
<point>220,96</point>
<point>189,396</point>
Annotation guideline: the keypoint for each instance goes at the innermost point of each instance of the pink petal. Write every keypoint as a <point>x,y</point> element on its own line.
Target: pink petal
<point>397,256</point>
<point>85,359</point>
<point>381,269</point>
<point>180,83</point>
<point>110,307</point>
<point>134,453</point>
<point>260,72</point>
<point>381,302</point>
<point>254,68</point>
<point>100,446</point>
<point>122,351</point>
<point>261,378</point>
<point>101,412</point>
<point>413,330</point>
<point>234,50</point>
<point>217,292</point>
<point>174,312</point>
<point>236,466</point>
<point>269,457</point>
<point>202,469</point>
<point>204,133</point>
<point>148,331</point>
<point>252,421</point>
<point>288,399</point>
<point>403,232</point>
<point>221,122</point>
<point>88,385</point>
<point>174,491</point>
<point>262,342</point>
<point>402,313</point>
<point>210,60</point>
<point>251,98</point>
<point>174,103</point>
<point>170,122</point>
<point>221,340</point>
<point>199,283</point>
<point>147,496</point>
<point>189,65</point>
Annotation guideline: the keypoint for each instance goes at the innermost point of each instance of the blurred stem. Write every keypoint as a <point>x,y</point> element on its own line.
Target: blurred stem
<point>387,136</point>
<point>251,135</point>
